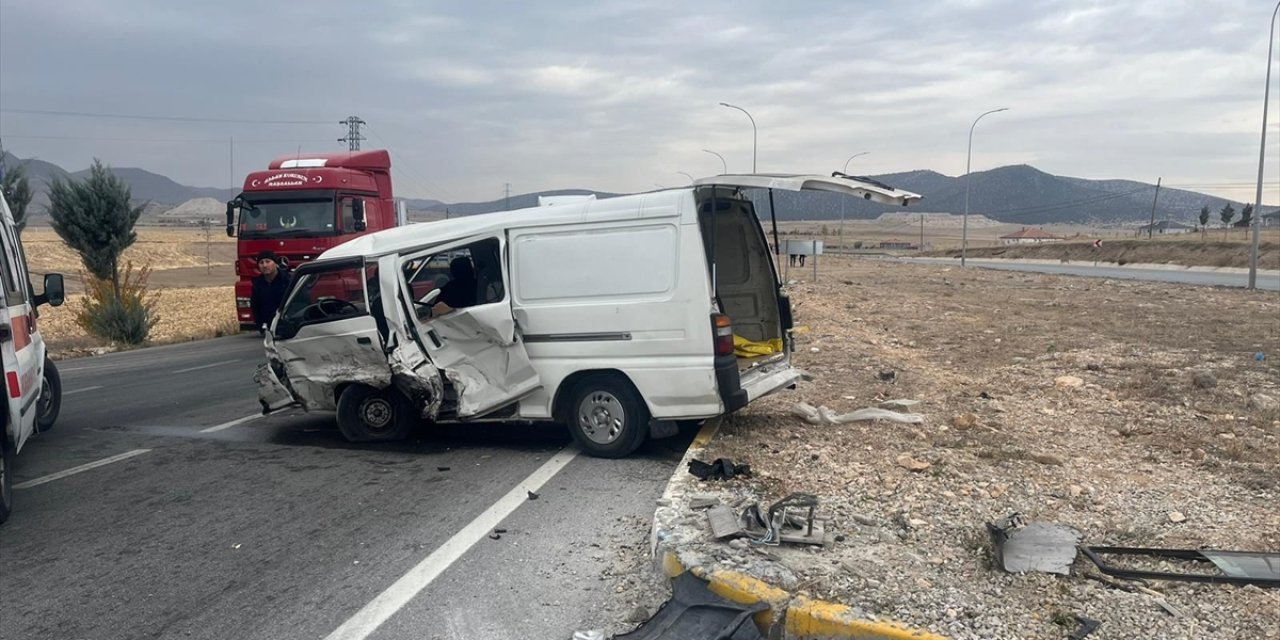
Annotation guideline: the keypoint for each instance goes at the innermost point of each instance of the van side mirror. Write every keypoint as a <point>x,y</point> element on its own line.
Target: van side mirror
<point>231,219</point>
<point>54,291</point>
<point>357,212</point>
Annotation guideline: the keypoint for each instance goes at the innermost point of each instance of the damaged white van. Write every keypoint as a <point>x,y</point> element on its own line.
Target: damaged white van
<point>616,317</point>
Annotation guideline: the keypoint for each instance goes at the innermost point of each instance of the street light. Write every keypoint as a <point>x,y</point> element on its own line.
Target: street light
<point>686,175</point>
<point>968,163</point>
<point>753,132</point>
<point>724,165</point>
<point>840,233</point>
<point>1262,155</point>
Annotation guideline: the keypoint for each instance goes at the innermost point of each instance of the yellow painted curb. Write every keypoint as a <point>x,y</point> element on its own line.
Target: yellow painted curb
<point>815,619</point>
<point>743,589</point>
<point>705,434</point>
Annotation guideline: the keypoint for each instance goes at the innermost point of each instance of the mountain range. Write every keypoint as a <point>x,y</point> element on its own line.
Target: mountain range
<point>1016,194</point>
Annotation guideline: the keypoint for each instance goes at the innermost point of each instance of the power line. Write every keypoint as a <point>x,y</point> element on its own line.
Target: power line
<point>201,140</point>
<point>132,116</point>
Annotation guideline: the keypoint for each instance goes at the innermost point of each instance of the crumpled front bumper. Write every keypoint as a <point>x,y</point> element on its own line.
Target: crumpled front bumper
<point>273,395</point>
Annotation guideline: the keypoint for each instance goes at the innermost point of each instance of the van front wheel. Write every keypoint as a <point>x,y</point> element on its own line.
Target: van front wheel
<point>50,403</point>
<point>366,414</point>
<point>607,417</point>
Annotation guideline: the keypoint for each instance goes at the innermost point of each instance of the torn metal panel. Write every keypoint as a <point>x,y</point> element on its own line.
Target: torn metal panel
<point>695,613</point>
<point>414,375</point>
<point>477,350</point>
<point>324,356</point>
<point>272,394</point>
<point>1238,567</point>
<point>1038,546</point>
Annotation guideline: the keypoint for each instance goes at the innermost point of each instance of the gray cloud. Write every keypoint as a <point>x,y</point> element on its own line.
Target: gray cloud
<point>624,94</point>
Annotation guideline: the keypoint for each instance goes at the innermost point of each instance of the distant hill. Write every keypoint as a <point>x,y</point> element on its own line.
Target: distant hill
<point>1018,194</point>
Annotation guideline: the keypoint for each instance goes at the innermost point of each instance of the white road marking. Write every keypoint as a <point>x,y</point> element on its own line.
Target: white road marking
<point>75,391</point>
<point>228,425</point>
<point>206,366</point>
<point>84,467</point>
<point>368,619</point>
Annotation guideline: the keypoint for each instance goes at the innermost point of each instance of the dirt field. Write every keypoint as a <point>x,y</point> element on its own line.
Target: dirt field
<point>196,300</point>
<point>1136,413</point>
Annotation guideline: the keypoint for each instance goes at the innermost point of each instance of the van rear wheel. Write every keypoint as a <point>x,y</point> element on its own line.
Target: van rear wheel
<point>606,417</point>
<point>366,414</point>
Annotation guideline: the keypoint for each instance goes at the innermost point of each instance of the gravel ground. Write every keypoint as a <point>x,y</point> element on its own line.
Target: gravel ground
<point>1133,412</point>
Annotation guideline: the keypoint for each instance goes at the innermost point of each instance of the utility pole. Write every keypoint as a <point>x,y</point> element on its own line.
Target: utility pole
<point>507,197</point>
<point>353,136</point>
<point>922,232</point>
<point>1151,229</point>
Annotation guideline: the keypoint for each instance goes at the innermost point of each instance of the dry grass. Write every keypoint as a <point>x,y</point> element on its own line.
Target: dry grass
<point>185,314</point>
<point>159,248</point>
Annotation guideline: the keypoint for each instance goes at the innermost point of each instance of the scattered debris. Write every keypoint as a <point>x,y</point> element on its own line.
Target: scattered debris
<point>887,376</point>
<point>825,416</point>
<point>442,468</point>
<point>702,501</point>
<point>720,469</point>
<point>695,612</point>
<point>532,495</point>
<point>911,464</point>
<point>1037,546</point>
<point>1177,516</point>
<point>1238,567</point>
<point>724,524</point>
<point>495,535</point>
<point>900,404</point>
<point>590,634</point>
<point>778,521</point>
<point>1086,627</point>
<point>499,531</point>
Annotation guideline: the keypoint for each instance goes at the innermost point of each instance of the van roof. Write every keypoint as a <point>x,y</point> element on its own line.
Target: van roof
<point>653,204</point>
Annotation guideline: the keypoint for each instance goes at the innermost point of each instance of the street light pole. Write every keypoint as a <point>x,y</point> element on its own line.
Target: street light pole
<point>686,175</point>
<point>723,165</point>
<point>1262,156</point>
<point>753,132</point>
<point>840,233</point>
<point>968,164</point>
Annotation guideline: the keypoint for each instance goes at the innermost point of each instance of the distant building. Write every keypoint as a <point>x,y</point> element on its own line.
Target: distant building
<point>1029,236</point>
<point>898,244</point>
<point>1167,227</point>
<point>1271,219</point>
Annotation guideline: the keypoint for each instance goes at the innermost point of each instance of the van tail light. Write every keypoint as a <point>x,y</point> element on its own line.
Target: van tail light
<point>722,330</point>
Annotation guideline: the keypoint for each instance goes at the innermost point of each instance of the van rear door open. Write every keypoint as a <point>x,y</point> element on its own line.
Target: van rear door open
<point>744,276</point>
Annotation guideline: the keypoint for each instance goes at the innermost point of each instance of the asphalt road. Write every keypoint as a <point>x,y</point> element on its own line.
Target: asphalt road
<point>1209,278</point>
<point>203,524</point>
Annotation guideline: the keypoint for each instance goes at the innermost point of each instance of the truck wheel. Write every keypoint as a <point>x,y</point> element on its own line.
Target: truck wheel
<point>606,417</point>
<point>366,414</point>
<point>6,478</point>
<point>50,404</point>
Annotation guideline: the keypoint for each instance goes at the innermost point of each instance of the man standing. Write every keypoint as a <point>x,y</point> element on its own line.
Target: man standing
<point>268,290</point>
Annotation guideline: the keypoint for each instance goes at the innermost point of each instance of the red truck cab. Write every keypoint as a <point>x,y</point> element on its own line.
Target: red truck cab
<point>304,204</point>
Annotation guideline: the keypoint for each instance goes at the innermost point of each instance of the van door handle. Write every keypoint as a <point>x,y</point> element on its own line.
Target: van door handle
<point>364,341</point>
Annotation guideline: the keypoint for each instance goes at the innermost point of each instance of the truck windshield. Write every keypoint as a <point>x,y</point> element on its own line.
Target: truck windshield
<point>287,218</point>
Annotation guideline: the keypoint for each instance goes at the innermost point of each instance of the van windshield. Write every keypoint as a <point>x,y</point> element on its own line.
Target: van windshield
<point>288,218</point>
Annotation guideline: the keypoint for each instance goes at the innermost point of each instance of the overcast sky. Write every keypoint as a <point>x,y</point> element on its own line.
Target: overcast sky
<point>621,95</point>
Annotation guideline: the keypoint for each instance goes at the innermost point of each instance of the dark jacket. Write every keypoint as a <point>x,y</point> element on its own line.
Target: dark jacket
<point>267,297</point>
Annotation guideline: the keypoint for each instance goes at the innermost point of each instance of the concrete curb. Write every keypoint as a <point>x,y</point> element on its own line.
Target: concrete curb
<point>791,617</point>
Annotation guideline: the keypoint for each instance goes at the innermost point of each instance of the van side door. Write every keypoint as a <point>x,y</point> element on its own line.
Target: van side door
<point>23,354</point>
<point>461,306</point>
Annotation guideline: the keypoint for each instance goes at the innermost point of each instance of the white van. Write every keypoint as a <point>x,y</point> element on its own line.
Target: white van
<point>33,390</point>
<point>616,317</point>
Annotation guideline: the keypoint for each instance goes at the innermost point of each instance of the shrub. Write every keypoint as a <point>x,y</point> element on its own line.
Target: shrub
<point>127,317</point>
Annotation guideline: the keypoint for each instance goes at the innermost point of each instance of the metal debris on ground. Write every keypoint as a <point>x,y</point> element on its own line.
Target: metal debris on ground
<point>1237,567</point>
<point>695,613</point>
<point>825,416</point>
<point>703,501</point>
<point>1086,627</point>
<point>1037,546</point>
<point>720,469</point>
<point>532,495</point>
